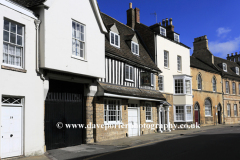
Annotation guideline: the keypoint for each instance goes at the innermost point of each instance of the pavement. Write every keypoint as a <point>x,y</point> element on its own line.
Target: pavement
<point>86,150</point>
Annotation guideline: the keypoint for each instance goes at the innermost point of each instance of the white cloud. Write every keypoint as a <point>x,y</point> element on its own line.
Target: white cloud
<point>222,31</point>
<point>224,48</point>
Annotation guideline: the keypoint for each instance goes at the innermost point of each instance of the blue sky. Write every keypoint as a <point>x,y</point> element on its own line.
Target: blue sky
<point>218,19</point>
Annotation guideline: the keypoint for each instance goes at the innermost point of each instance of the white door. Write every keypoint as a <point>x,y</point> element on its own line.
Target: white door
<point>11,131</point>
<point>133,122</point>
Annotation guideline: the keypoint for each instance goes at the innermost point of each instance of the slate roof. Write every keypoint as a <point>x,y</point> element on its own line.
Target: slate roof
<point>197,63</point>
<point>230,68</point>
<point>131,91</point>
<point>29,3</point>
<point>124,52</point>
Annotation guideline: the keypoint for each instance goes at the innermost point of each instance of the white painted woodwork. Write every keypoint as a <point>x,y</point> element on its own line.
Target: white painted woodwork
<point>133,125</point>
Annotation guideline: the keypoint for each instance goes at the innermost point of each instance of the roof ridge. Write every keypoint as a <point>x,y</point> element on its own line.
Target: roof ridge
<point>116,20</point>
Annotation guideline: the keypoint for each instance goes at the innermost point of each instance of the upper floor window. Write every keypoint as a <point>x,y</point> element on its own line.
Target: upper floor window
<point>112,111</point>
<point>148,112</point>
<point>228,110</point>
<point>163,31</point>
<point>160,83</point>
<point>114,39</point>
<point>78,39</point>
<point>238,88</point>
<point>152,79</point>
<point>227,87</point>
<point>129,73</point>
<point>13,39</point>
<point>233,88</point>
<point>135,48</point>
<point>179,63</point>
<point>214,84</point>
<point>182,85</point>
<point>225,67</point>
<point>178,86</point>
<point>176,37</point>
<point>188,86</point>
<point>235,109</point>
<point>166,59</point>
<point>199,82</point>
<point>237,70</point>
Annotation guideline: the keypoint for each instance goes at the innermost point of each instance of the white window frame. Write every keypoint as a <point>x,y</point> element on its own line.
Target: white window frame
<point>179,63</point>
<point>81,39</point>
<point>228,110</point>
<point>176,37</point>
<point>106,122</point>
<point>227,87</point>
<point>235,110</point>
<point>114,43</point>
<point>147,120</point>
<point>233,88</point>
<point>187,117</point>
<point>22,54</point>
<point>184,78</point>
<point>166,58</point>
<point>131,79</point>
<point>214,84</point>
<point>161,31</point>
<point>133,45</point>
<point>237,70</point>
<point>224,67</point>
<point>161,84</point>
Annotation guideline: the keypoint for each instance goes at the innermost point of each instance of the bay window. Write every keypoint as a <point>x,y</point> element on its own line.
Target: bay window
<point>183,113</point>
<point>182,84</point>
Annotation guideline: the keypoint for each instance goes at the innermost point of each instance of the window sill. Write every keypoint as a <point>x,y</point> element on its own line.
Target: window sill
<point>149,121</point>
<point>167,68</point>
<point>109,124</point>
<point>79,58</point>
<point>179,71</point>
<point>14,69</point>
<point>115,46</point>
<point>129,80</point>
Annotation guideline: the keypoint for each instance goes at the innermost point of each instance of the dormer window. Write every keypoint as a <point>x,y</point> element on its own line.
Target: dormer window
<point>224,67</point>
<point>135,48</point>
<point>163,31</point>
<point>237,70</point>
<point>114,39</point>
<point>176,37</point>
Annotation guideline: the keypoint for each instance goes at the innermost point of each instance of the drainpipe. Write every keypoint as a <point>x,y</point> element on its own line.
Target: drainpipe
<point>37,24</point>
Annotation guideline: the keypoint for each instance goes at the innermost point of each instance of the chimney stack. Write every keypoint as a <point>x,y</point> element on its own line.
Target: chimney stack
<point>170,20</point>
<point>133,16</point>
<point>236,53</point>
<point>200,43</point>
<point>166,22</point>
<point>231,54</point>
<point>163,22</point>
<point>228,55</point>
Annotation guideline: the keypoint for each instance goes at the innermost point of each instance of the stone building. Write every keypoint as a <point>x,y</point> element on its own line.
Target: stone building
<point>230,81</point>
<point>128,102</point>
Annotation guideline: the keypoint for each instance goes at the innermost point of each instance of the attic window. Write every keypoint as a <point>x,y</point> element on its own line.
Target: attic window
<point>176,37</point>
<point>237,70</point>
<point>163,31</point>
<point>114,39</point>
<point>224,67</point>
<point>135,48</point>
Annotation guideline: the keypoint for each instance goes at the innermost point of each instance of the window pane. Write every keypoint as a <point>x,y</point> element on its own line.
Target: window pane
<point>73,46</point>
<point>78,31</point>
<point>18,51</point>
<point>127,72</point>
<point>5,51</point>
<point>131,73</point>
<point>116,40</point>
<point>133,48</point>
<point>13,27</point>
<point>13,38</point>
<point>19,40</point>
<point>112,38</point>
<point>77,48</point>
<point>81,49</point>
<point>6,36</point>
<point>73,30</point>
<point>82,33</point>
<point>6,25</point>
<point>19,29</point>
<point>136,49</point>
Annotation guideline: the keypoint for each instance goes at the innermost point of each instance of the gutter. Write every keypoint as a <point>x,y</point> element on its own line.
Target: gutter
<point>37,24</point>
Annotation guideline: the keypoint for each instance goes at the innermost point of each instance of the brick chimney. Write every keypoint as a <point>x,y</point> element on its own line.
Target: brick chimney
<point>133,16</point>
<point>201,50</point>
<point>170,29</point>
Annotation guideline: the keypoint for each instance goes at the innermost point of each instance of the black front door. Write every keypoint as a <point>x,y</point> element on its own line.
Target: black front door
<point>63,106</point>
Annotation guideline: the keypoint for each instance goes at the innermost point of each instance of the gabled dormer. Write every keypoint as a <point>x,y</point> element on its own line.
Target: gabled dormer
<point>163,31</point>
<point>224,66</point>
<point>114,36</point>
<point>133,43</point>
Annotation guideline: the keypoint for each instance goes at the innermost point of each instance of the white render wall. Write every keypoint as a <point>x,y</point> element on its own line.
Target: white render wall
<point>174,50</point>
<point>27,85</point>
<point>56,44</point>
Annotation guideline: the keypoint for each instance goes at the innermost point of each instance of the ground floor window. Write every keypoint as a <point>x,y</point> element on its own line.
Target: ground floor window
<point>148,112</point>
<point>183,113</point>
<point>112,111</point>
<point>235,109</point>
<point>228,110</point>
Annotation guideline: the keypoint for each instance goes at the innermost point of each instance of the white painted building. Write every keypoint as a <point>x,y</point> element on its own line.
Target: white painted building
<point>49,67</point>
